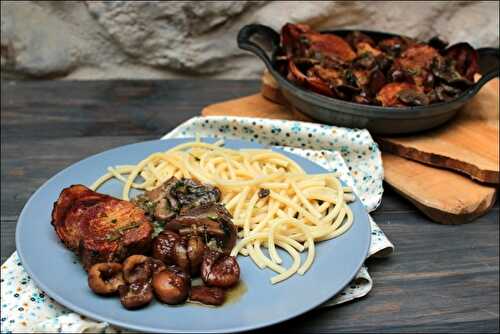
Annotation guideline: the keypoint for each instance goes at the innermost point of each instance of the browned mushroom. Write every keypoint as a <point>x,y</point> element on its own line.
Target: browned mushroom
<point>218,269</point>
<point>165,204</point>
<point>136,295</point>
<point>208,295</point>
<point>171,286</point>
<point>465,58</point>
<point>105,278</point>
<point>412,97</point>
<point>137,268</point>
<point>457,69</point>
<point>207,221</point>
<point>376,82</point>
<point>190,194</point>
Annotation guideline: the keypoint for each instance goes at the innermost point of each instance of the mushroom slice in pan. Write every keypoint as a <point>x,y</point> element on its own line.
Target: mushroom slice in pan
<point>466,59</point>
<point>412,97</point>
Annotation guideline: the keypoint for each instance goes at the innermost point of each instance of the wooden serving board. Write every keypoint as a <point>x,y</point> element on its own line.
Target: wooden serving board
<point>444,196</point>
<point>469,144</point>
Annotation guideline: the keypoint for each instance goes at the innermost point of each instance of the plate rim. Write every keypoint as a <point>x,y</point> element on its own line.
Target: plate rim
<point>124,325</point>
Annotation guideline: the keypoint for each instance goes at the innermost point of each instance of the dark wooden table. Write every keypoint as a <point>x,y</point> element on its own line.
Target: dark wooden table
<point>441,278</point>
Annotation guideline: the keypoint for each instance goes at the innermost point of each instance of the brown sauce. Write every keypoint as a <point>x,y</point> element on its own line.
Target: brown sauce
<point>235,293</point>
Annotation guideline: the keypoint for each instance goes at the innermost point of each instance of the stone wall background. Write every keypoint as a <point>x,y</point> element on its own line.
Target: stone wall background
<point>154,39</point>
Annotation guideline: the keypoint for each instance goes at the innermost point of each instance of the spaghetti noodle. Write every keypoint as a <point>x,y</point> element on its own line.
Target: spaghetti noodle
<point>274,203</point>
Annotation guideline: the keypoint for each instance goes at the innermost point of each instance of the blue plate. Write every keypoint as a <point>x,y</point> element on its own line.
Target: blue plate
<point>54,269</point>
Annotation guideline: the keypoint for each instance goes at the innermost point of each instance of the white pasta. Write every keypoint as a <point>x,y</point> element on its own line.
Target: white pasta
<point>274,203</point>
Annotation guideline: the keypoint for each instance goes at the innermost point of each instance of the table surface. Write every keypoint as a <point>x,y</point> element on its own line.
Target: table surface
<point>441,278</point>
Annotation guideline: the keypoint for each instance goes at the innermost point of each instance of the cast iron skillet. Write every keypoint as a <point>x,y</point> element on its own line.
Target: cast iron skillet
<point>379,120</point>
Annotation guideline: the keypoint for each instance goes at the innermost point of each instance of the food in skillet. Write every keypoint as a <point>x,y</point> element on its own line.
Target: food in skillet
<point>114,240</point>
<point>392,72</point>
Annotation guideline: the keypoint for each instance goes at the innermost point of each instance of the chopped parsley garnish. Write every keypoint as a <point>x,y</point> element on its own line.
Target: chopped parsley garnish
<point>118,233</point>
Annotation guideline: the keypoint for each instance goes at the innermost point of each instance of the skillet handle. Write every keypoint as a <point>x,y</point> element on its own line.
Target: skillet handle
<point>260,40</point>
<point>489,63</point>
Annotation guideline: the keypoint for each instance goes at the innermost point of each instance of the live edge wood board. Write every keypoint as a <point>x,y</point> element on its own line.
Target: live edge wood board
<point>469,144</point>
<point>443,195</point>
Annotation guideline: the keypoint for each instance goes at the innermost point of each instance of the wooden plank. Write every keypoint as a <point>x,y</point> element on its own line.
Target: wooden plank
<point>444,196</point>
<point>50,109</point>
<point>469,144</point>
<point>8,225</point>
<point>248,106</point>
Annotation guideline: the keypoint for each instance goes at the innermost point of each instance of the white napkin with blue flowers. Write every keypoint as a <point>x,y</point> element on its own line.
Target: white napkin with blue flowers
<point>351,153</point>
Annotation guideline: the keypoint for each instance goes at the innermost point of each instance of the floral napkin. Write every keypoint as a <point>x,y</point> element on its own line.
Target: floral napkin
<point>350,153</point>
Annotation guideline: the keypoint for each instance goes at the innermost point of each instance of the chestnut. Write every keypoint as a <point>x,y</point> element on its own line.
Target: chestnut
<point>136,295</point>
<point>105,278</point>
<point>137,268</point>
<point>164,246</point>
<point>181,256</point>
<point>170,248</point>
<point>157,265</point>
<point>195,250</point>
<point>172,285</point>
<point>219,269</point>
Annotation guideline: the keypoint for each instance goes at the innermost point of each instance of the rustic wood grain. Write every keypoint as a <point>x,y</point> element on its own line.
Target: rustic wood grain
<point>469,144</point>
<point>441,278</point>
<point>248,106</point>
<point>445,197</point>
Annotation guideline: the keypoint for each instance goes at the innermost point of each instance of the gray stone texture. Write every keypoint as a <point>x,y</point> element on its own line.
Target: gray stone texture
<point>155,39</point>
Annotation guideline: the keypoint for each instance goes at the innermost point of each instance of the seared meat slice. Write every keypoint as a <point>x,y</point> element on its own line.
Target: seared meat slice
<point>98,227</point>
